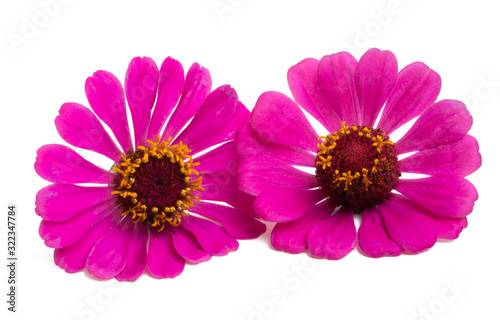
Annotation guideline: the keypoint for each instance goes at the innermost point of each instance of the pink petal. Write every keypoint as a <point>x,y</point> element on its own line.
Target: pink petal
<point>78,126</point>
<point>286,204</point>
<point>375,77</point>
<point>445,196</point>
<point>334,237</point>
<point>163,261</point>
<point>220,159</point>
<point>406,225</point>
<point>65,233</point>
<point>303,82</point>
<point>109,256</point>
<point>460,158</point>
<point>291,237</point>
<point>443,123</point>
<point>141,84</point>
<point>58,163</point>
<point>216,121</point>
<point>373,238</point>
<point>73,258</point>
<point>262,172</point>
<point>449,229</point>
<point>237,224</point>
<point>58,202</point>
<point>279,119</point>
<point>212,237</point>
<point>169,91</point>
<point>136,255</point>
<point>106,97</point>
<point>248,143</point>
<point>196,89</point>
<point>336,80</point>
<point>416,88</point>
<point>187,246</point>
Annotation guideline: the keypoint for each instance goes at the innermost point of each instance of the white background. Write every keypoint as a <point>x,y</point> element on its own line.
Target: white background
<point>250,46</point>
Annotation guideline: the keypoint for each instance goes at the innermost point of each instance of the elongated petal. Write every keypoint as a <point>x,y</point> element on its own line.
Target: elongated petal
<point>196,89</point>
<point>286,204</point>
<point>337,82</point>
<point>169,90</point>
<point>187,246</point>
<point>416,88</point>
<point>78,126</point>
<point>58,202</point>
<point>460,158</point>
<point>449,229</point>
<point>58,163</point>
<point>141,84</point>
<point>291,237</point>
<point>303,82</point>
<point>443,123</point>
<point>279,119</point>
<point>237,224</point>
<point>407,226</point>
<point>106,97</point>
<point>212,237</point>
<point>220,159</point>
<point>334,237</point>
<point>261,172</point>
<point>136,255</point>
<point>375,77</point>
<point>445,196</point>
<point>216,121</point>
<point>374,240</point>
<point>163,261</point>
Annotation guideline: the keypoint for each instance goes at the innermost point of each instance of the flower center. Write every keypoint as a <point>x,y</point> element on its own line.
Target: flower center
<point>357,167</point>
<point>155,184</point>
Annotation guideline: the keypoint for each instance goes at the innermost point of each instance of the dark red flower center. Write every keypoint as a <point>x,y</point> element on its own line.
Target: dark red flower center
<point>357,166</point>
<point>154,183</point>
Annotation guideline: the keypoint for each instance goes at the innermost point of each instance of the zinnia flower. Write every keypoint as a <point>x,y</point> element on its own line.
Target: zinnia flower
<point>154,207</point>
<point>358,169</point>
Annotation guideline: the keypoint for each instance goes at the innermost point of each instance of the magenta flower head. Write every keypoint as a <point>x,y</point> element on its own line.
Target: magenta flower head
<point>152,210</point>
<point>358,169</point>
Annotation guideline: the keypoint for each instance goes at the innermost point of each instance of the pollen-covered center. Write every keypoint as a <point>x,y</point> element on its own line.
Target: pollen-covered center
<point>357,166</point>
<point>155,184</point>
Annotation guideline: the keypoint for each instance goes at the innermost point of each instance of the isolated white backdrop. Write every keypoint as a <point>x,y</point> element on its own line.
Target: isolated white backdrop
<point>48,51</point>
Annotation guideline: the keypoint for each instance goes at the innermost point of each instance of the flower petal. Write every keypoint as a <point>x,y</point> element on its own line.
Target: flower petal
<point>58,202</point>
<point>73,258</point>
<point>136,255</point>
<point>237,224</point>
<point>78,126</point>
<point>106,97</point>
<point>163,261</point>
<point>406,225</point>
<point>460,158</point>
<point>373,238</point>
<point>196,89</point>
<point>65,233</point>
<point>220,159</point>
<point>212,237</point>
<point>375,77</point>
<point>336,80</point>
<point>303,82</point>
<point>141,84</point>
<point>187,246</point>
<point>286,204</point>
<point>334,237</point>
<point>416,88</point>
<point>216,121</point>
<point>445,196</point>
<point>443,123</point>
<point>449,229</point>
<point>279,119</point>
<point>109,255</point>
<point>291,237</point>
<point>248,143</point>
<point>58,163</point>
<point>169,91</point>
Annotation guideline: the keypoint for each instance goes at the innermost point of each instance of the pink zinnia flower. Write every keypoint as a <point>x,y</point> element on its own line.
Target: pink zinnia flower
<point>152,209</point>
<point>357,170</point>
